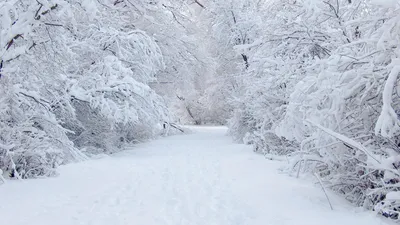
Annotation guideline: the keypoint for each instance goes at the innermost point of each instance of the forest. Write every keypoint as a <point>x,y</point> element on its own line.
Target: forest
<point>314,83</point>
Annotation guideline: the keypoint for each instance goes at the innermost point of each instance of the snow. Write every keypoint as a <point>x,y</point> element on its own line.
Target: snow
<point>200,178</point>
<point>345,140</point>
<point>385,3</point>
<point>388,123</point>
<point>394,195</point>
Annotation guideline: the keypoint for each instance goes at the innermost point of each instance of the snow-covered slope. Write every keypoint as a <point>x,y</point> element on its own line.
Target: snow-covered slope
<point>202,178</point>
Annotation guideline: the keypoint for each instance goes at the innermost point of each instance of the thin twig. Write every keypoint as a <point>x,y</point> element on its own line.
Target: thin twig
<point>323,188</point>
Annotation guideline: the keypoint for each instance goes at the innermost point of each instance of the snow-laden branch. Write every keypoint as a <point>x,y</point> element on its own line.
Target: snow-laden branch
<point>345,139</point>
<point>388,123</point>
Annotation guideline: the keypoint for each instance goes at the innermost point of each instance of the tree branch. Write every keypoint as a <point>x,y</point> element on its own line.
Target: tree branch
<point>198,3</point>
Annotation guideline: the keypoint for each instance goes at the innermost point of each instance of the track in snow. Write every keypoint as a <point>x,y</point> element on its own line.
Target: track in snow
<point>197,179</point>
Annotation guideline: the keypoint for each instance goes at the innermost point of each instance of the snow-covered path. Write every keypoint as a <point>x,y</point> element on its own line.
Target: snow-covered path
<point>201,178</point>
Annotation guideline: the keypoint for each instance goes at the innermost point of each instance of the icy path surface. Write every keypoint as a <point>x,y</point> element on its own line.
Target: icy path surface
<point>197,179</point>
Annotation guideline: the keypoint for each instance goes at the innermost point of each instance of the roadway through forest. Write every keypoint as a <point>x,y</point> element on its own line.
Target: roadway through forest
<point>202,178</point>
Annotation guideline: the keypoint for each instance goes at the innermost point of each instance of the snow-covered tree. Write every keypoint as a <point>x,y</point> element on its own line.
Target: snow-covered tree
<point>320,87</point>
<point>75,79</point>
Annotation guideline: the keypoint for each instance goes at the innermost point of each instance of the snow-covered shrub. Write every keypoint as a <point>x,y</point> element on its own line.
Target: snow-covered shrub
<point>274,62</point>
<point>345,95</point>
<point>33,142</point>
<point>320,84</point>
<point>74,76</point>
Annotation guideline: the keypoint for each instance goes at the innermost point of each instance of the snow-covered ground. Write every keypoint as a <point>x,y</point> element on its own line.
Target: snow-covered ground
<point>202,178</point>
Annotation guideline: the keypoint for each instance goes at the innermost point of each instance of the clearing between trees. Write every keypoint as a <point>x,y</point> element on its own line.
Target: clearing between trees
<point>200,178</point>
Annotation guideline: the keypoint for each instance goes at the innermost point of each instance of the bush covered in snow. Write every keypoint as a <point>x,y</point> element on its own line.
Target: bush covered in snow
<point>75,76</point>
<point>319,82</point>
